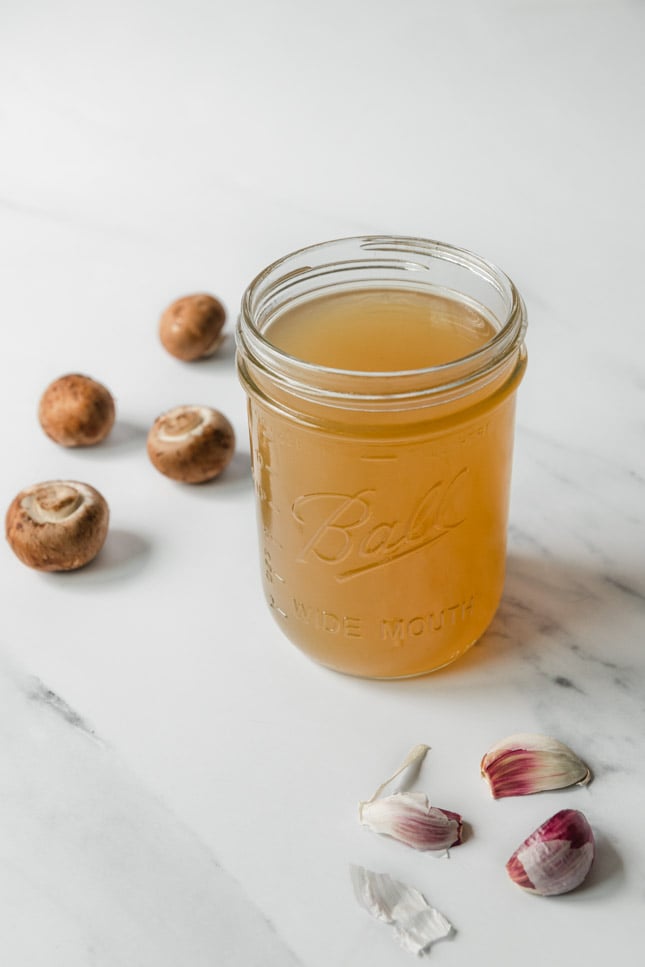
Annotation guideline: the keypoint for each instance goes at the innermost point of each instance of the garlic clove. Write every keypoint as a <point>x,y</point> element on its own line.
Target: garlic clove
<point>526,763</point>
<point>556,857</point>
<point>409,818</point>
<point>417,924</point>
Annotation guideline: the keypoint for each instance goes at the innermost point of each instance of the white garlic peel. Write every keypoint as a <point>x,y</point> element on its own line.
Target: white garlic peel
<point>413,759</point>
<point>416,924</point>
<point>526,763</point>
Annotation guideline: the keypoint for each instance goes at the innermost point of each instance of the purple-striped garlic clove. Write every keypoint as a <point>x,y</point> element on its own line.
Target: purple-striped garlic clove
<point>556,857</point>
<point>409,818</point>
<point>525,763</point>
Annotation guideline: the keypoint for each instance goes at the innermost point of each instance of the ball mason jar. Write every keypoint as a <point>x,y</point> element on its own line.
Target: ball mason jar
<point>382,496</point>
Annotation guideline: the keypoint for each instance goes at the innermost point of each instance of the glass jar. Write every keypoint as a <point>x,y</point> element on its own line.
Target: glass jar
<point>382,495</point>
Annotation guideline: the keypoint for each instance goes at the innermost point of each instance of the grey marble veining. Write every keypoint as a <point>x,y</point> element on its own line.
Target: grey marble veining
<point>93,868</point>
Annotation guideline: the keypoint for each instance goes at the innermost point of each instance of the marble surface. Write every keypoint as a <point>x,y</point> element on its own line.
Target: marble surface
<point>178,785</point>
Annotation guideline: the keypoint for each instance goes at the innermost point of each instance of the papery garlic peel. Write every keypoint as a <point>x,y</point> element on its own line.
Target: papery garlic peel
<point>526,763</point>
<point>556,857</point>
<point>415,922</point>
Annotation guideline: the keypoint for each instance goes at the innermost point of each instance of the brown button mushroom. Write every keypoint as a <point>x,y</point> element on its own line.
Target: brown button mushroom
<point>76,411</point>
<point>191,443</point>
<point>58,525</point>
<point>191,327</point>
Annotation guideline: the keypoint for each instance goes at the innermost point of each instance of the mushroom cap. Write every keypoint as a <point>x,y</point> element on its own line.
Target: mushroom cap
<point>76,411</point>
<point>191,327</point>
<point>191,444</point>
<point>57,525</point>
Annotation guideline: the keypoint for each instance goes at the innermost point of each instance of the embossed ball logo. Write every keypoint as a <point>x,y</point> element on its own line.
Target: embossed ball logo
<point>349,532</point>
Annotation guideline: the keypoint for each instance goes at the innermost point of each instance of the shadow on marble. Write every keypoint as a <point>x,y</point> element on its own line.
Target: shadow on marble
<point>123,555</point>
<point>225,355</point>
<point>550,600</point>
<point>551,607</point>
<point>124,437</point>
<point>606,874</point>
<point>237,476</point>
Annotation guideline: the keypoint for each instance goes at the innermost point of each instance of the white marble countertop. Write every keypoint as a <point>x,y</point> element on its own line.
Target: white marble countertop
<point>178,785</point>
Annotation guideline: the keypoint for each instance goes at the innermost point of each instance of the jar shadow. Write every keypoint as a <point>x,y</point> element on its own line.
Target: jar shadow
<point>550,597</point>
<point>545,598</point>
<point>542,597</point>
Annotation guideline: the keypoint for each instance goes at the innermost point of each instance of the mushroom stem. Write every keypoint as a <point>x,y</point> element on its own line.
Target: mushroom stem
<point>180,424</point>
<point>52,503</point>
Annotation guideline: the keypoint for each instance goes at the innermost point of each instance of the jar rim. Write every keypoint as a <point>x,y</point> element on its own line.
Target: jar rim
<point>400,252</point>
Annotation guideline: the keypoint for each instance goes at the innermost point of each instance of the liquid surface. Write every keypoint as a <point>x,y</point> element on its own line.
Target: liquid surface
<point>380,330</point>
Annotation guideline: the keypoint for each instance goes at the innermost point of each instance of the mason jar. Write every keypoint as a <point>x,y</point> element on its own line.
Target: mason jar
<point>381,374</point>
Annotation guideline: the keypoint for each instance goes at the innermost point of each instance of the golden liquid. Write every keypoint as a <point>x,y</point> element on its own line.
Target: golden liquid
<point>384,534</point>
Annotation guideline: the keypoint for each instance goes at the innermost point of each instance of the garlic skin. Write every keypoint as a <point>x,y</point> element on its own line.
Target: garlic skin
<point>409,818</point>
<point>555,858</point>
<point>416,924</point>
<point>525,763</point>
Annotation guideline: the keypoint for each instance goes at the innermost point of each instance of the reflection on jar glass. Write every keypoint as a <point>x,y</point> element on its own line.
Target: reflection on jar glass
<point>381,376</point>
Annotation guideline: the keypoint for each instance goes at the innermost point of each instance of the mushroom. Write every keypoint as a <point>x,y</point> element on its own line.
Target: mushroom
<point>191,444</point>
<point>191,327</point>
<point>58,525</point>
<point>76,411</point>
